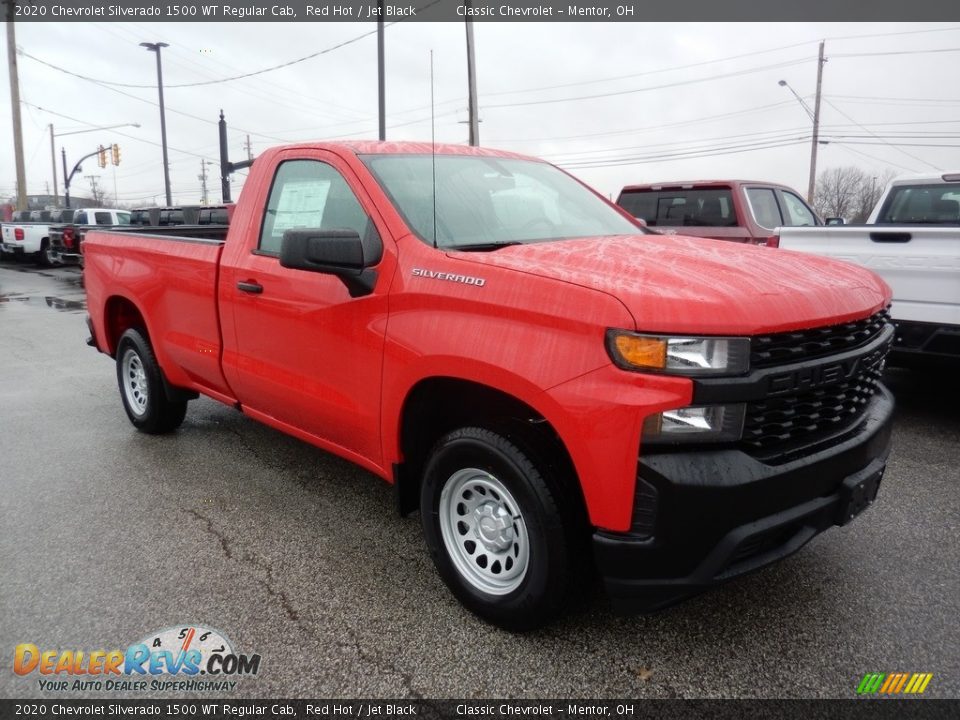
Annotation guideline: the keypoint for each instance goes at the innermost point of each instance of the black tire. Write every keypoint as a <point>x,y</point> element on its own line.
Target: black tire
<point>43,259</point>
<point>464,461</point>
<point>143,395</point>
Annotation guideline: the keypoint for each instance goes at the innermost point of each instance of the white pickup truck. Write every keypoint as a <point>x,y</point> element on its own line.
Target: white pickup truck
<point>912,240</point>
<point>32,237</point>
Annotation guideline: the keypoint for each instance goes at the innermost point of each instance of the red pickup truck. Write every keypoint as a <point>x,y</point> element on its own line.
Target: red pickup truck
<point>556,390</point>
<point>738,210</point>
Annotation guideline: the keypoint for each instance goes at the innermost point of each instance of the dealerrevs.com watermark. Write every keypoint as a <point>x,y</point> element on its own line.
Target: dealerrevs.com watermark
<point>187,658</point>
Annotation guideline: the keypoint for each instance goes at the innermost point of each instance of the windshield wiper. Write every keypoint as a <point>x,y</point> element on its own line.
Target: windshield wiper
<point>483,247</point>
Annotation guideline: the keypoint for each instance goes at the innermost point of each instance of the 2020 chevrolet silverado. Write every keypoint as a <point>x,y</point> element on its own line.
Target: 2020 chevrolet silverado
<point>554,389</point>
<point>912,240</point>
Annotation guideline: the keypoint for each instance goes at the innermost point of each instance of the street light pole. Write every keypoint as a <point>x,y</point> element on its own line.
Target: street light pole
<point>816,129</point>
<point>815,117</point>
<point>155,47</point>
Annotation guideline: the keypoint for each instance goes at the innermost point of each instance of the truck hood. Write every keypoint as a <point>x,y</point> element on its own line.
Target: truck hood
<point>685,285</point>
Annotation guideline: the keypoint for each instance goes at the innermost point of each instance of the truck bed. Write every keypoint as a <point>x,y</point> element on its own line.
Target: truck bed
<point>172,280</point>
<point>921,264</point>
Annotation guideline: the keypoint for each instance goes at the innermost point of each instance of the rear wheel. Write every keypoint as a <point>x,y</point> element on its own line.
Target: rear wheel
<point>497,530</point>
<point>46,258</point>
<point>141,387</point>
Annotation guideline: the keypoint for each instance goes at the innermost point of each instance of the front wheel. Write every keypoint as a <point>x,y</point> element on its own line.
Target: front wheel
<point>141,387</point>
<point>497,530</point>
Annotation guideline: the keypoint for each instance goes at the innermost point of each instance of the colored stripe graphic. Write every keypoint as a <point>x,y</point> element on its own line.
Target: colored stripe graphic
<point>918,683</point>
<point>870,683</point>
<point>894,683</point>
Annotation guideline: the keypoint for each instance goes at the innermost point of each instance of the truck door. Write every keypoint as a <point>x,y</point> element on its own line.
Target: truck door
<point>302,351</point>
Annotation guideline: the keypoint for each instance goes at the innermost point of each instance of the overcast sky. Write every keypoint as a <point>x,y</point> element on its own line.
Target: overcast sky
<point>613,103</point>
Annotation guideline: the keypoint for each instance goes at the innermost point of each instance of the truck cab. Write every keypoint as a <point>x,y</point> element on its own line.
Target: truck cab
<point>736,210</point>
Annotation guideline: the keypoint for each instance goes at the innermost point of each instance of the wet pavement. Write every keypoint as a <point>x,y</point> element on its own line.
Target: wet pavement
<point>108,535</point>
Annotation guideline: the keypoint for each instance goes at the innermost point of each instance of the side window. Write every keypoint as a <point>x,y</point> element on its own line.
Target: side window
<point>309,194</point>
<point>80,218</point>
<point>797,211</point>
<point>102,218</point>
<point>765,209</point>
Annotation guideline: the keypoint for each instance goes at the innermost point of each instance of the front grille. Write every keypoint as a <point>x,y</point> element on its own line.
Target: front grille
<point>798,345</point>
<point>775,423</point>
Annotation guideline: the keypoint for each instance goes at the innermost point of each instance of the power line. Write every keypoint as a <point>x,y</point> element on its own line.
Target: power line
<point>174,56</point>
<point>242,76</point>
<point>117,132</point>
<point>893,100</point>
<point>679,83</point>
<point>843,147</point>
<point>643,160</point>
<point>895,52</point>
<point>204,82</point>
<point>763,135</point>
<point>896,147</point>
<point>686,155</point>
<point>653,128</point>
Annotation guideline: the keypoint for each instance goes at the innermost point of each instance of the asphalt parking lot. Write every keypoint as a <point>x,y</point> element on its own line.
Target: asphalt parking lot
<point>107,535</point>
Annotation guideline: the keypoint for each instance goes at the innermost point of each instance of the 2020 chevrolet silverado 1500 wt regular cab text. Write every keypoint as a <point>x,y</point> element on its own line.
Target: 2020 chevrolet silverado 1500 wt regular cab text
<point>912,240</point>
<point>553,389</point>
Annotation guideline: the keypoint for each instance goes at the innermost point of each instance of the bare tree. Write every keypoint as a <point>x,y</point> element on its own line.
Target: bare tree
<point>849,192</point>
<point>869,193</point>
<point>837,190</point>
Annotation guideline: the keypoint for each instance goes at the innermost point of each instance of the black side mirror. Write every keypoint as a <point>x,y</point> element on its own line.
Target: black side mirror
<point>333,252</point>
<point>834,221</point>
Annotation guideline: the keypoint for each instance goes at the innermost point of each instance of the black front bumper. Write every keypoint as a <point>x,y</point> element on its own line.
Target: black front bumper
<point>920,343</point>
<point>709,516</point>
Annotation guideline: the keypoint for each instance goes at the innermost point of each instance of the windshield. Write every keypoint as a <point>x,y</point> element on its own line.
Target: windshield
<point>484,201</point>
<point>922,205</point>
<point>699,207</point>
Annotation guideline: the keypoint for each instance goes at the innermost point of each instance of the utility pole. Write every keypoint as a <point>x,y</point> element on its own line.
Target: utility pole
<point>381,79</point>
<point>53,162</point>
<point>155,47</point>
<point>202,177</point>
<point>224,160</point>
<point>472,81</point>
<point>94,189</point>
<point>812,186</point>
<point>249,149</point>
<point>15,107</point>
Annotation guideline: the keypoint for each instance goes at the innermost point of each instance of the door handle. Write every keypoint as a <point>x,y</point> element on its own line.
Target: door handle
<point>251,286</point>
<point>891,237</point>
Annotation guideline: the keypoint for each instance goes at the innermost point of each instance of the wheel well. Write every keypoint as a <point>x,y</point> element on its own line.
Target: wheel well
<point>438,406</point>
<point>119,316</point>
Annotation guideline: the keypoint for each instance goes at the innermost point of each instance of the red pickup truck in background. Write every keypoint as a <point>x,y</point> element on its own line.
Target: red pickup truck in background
<point>556,390</point>
<point>738,210</point>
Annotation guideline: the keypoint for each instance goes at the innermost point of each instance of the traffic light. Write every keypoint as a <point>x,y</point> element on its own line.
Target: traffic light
<point>102,157</point>
<point>115,154</point>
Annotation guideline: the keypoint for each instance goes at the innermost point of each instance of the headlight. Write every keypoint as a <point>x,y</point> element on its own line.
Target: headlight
<point>679,355</point>
<point>706,423</point>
